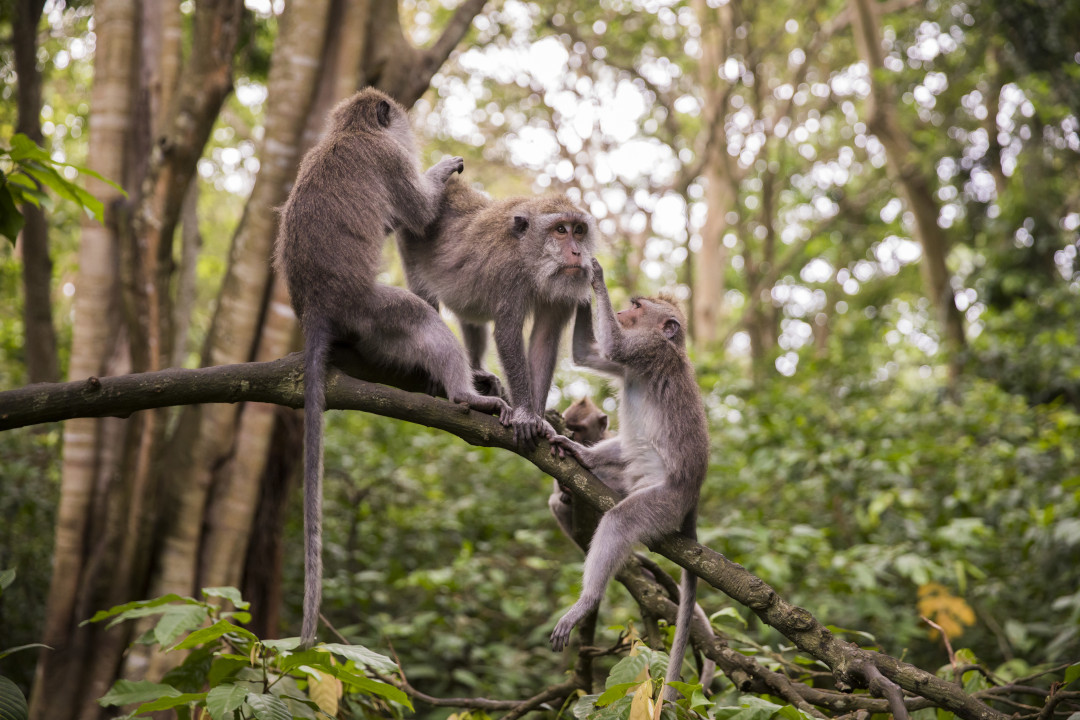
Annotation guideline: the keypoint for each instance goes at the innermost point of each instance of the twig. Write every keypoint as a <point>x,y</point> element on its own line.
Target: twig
<point>945,637</point>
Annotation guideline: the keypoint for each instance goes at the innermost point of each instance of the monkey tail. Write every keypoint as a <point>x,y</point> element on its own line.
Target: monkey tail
<point>316,349</point>
<point>685,616</point>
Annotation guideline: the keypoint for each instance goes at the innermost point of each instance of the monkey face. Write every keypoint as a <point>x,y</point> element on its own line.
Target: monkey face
<point>660,314</point>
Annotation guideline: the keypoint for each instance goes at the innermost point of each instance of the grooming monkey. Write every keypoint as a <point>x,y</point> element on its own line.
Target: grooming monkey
<point>360,182</point>
<point>588,424</point>
<point>659,458</point>
<point>504,260</point>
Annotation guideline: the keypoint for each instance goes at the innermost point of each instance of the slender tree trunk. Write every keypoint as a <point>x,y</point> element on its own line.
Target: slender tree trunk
<point>914,186</point>
<point>720,191</point>
<point>90,445</point>
<point>40,335</point>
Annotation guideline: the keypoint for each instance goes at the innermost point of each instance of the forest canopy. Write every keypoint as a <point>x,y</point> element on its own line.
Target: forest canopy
<point>870,210</point>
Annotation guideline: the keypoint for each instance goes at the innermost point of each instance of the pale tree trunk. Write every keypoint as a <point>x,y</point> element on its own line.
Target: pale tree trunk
<point>89,454</point>
<point>711,261</point>
<point>913,184</point>
<point>39,333</point>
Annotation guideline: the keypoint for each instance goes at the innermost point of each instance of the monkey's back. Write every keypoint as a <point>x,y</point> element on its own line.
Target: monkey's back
<point>333,224</point>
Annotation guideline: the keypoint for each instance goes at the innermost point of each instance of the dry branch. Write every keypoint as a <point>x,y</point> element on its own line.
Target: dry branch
<point>281,382</point>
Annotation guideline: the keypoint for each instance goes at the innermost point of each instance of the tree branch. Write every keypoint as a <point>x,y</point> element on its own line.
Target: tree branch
<point>281,382</point>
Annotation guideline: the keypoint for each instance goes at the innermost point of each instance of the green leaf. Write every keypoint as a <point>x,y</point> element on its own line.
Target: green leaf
<point>692,694</point>
<point>614,692</point>
<point>283,644</point>
<point>23,148</point>
<point>361,656</point>
<point>17,648</point>
<point>221,627</point>
<point>627,670</point>
<point>191,675</point>
<point>790,712</point>
<point>6,578</point>
<point>225,699</point>
<point>229,593</point>
<point>224,668</point>
<point>12,702</point>
<point>1072,673</point>
<point>11,220</point>
<point>120,609</point>
<point>167,703</point>
<point>584,706</point>
<point>371,687</point>
<point>268,707</point>
<point>126,692</point>
<point>176,620</point>
<point>724,615</point>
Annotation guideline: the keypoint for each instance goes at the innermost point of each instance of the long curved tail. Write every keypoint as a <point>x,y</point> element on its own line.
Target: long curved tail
<point>316,349</point>
<point>685,616</point>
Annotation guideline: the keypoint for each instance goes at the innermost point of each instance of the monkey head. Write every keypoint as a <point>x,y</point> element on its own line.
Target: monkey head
<point>562,240</point>
<point>372,110</point>
<point>586,423</point>
<point>661,313</point>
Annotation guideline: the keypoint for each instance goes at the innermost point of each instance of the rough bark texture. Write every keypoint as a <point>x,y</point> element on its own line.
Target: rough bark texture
<point>914,186</point>
<point>281,382</point>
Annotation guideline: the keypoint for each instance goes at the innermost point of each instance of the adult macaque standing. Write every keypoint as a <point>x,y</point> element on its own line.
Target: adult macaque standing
<point>505,261</point>
<point>359,183</point>
<point>658,460</point>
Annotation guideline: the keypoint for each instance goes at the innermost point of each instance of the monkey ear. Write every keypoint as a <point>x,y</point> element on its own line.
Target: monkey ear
<point>382,112</point>
<point>671,328</point>
<point>521,224</point>
<point>603,423</point>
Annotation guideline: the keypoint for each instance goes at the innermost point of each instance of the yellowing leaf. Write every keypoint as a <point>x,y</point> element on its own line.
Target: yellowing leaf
<point>950,612</point>
<point>325,693</point>
<point>642,707</point>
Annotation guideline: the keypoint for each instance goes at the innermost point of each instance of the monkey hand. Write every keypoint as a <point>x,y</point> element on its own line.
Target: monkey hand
<point>487,383</point>
<point>560,636</point>
<point>597,275</point>
<point>489,405</point>
<point>528,427</point>
<point>563,446</point>
<point>446,167</point>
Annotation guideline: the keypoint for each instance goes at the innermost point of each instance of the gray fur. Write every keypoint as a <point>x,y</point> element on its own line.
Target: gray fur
<point>662,448</point>
<point>505,261</point>
<point>360,182</point>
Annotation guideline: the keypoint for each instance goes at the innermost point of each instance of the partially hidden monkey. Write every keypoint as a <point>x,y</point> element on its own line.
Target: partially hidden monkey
<point>659,459</point>
<point>506,260</point>
<point>588,424</point>
<point>360,182</point>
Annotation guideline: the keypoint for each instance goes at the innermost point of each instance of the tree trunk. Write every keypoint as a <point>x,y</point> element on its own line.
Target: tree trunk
<point>40,335</point>
<point>914,186</point>
<point>90,451</point>
<point>720,187</point>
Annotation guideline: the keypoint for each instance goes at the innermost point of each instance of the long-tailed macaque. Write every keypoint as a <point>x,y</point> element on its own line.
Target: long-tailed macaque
<point>506,260</point>
<point>658,460</point>
<point>359,183</point>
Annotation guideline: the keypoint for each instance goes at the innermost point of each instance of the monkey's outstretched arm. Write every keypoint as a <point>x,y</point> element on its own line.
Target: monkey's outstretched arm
<point>417,198</point>
<point>609,334</point>
<point>584,345</point>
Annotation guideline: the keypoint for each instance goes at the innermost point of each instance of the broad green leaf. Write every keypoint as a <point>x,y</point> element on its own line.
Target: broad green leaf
<point>167,703</point>
<point>66,189</point>
<point>268,707</point>
<point>224,699</point>
<point>23,148</point>
<point>229,593</point>
<point>221,627</point>
<point>282,644</point>
<point>1072,673</point>
<point>176,620</point>
<point>156,602</point>
<point>6,578</point>
<point>319,660</point>
<point>790,712</point>
<point>127,692</point>
<point>627,670</point>
<point>584,706</point>
<point>728,616</point>
<point>11,220</point>
<point>12,702</point>
<point>614,692</point>
<point>225,667</point>
<point>371,687</point>
<point>361,656</point>
<point>692,694</point>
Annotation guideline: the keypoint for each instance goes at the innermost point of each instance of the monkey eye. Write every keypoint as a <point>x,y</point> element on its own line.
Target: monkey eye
<point>579,229</point>
<point>634,303</point>
<point>561,229</point>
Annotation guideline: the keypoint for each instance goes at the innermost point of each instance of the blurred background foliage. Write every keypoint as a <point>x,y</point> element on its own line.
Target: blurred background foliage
<point>849,469</point>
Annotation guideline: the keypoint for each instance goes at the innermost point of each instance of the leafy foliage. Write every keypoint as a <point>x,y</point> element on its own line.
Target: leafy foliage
<point>233,674</point>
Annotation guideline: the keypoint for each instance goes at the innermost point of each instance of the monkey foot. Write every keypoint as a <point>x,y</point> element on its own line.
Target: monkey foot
<point>491,406</point>
<point>560,636</point>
